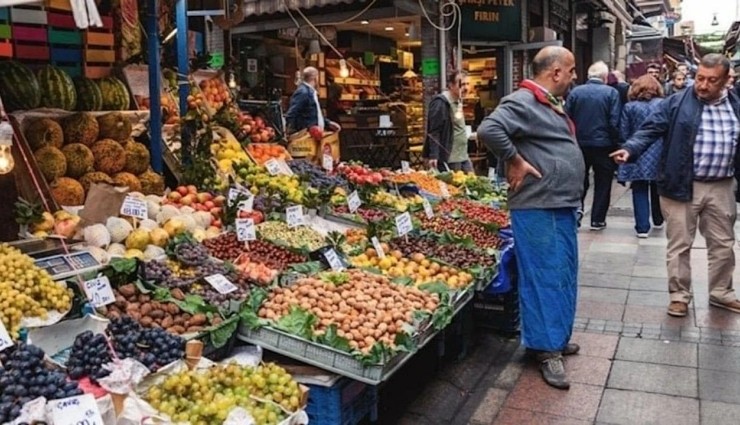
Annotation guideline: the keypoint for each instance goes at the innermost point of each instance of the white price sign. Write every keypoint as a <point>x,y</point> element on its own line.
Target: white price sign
<point>405,167</point>
<point>285,168</point>
<point>427,208</point>
<point>491,173</point>
<point>133,207</point>
<point>327,162</point>
<point>245,230</point>
<point>443,190</point>
<point>273,167</point>
<point>78,410</point>
<point>221,284</point>
<point>247,204</point>
<point>333,259</point>
<point>378,247</point>
<point>99,292</point>
<point>354,201</point>
<point>234,193</point>
<point>5,340</point>
<point>404,224</point>
<point>294,216</point>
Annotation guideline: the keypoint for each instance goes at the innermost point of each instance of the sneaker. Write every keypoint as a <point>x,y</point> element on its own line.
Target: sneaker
<point>642,235</point>
<point>733,306</point>
<point>598,226</point>
<point>678,309</point>
<point>660,226</point>
<point>553,372</point>
<point>571,348</point>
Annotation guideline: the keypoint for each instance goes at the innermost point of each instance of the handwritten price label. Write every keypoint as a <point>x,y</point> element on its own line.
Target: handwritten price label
<point>294,216</point>
<point>247,204</point>
<point>327,162</point>
<point>427,208</point>
<point>285,168</point>
<point>221,284</point>
<point>99,291</point>
<point>133,207</point>
<point>443,190</point>
<point>5,340</point>
<point>404,224</point>
<point>273,167</point>
<point>405,167</point>
<point>333,259</point>
<point>354,201</point>
<point>378,247</point>
<point>245,230</point>
<point>78,410</point>
<point>235,192</point>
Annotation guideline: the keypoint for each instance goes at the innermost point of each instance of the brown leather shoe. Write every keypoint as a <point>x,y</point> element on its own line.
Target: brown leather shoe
<point>679,309</point>
<point>733,306</point>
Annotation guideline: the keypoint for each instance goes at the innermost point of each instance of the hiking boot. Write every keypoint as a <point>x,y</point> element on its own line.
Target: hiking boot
<point>679,309</point>
<point>553,372</point>
<point>571,348</point>
<point>733,306</point>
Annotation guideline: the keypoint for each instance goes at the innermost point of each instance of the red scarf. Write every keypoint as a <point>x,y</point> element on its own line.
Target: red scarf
<point>548,99</point>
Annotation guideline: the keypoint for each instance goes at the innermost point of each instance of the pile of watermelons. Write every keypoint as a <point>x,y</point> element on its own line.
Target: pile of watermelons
<point>51,87</point>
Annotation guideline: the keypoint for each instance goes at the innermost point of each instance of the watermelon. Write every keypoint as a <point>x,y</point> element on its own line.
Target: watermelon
<point>89,96</point>
<point>57,89</point>
<point>115,94</point>
<point>19,88</point>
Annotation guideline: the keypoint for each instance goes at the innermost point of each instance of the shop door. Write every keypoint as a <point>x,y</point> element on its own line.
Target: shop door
<point>524,50</point>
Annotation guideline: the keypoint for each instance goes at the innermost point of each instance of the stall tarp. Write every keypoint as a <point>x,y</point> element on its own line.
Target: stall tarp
<point>263,7</point>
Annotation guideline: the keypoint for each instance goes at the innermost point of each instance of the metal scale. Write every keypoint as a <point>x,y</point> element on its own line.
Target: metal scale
<point>49,254</point>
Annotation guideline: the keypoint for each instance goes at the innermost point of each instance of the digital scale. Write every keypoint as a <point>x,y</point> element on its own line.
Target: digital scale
<point>49,254</point>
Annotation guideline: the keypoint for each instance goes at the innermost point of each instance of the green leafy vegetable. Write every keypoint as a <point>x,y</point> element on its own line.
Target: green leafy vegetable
<point>332,339</point>
<point>297,322</point>
<point>221,334</point>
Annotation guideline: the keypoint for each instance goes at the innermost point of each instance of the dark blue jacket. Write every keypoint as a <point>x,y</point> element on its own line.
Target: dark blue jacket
<point>595,108</point>
<point>302,113</point>
<point>677,121</point>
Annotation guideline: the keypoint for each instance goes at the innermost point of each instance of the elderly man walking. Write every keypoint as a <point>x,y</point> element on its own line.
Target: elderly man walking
<point>531,133</point>
<point>696,179</point>
<point>595,108</point>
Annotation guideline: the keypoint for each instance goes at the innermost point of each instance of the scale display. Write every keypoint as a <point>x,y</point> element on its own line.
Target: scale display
<point>64,266</point>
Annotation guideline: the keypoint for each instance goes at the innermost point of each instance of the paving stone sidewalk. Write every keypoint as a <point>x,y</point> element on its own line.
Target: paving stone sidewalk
<point>637,364</point>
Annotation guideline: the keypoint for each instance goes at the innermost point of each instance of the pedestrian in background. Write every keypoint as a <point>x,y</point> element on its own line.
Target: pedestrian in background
<point>645,95</point>
<point>595,109</point>
<point>653,70</point>
<point>616,79</point>
<point>697,179</point>
<point>677,85</point>
<point>532,135</point>
<point>446,144</point>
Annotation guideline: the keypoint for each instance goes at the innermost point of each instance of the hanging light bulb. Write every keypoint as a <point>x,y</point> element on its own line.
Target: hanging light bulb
<point>232,80</point>
<point>6,141</point>
<point>343,70</point>
<point>314,47</point>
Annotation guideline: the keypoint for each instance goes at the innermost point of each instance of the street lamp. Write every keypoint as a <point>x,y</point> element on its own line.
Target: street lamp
<point>715,22</point>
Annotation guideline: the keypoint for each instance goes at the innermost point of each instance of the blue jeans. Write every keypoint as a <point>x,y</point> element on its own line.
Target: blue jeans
<point>646,202</point>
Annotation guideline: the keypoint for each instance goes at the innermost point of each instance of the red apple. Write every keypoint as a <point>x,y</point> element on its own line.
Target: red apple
<point>192,189</point>
<point>182,190</point>
<point>209,204</point>
<point>174,196</point>
<point>204,197</point>
<point>187,199</point>
<point>216,211</point>
<point>219,200</point>
<point>216,223</point>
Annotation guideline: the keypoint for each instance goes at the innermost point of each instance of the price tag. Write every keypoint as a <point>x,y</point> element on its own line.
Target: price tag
<point>353,201</point>
<point>5,340</point>
<point>427,208</point>
<point>273,167</point>
<point>378,247</point>
<point>133,207</point>
<point>285,168</point>
<point>492,174</point>
<point>405,167</point>
<point>404,224</point>
<point>78,410</point>
<point>333,259</point>
<point>234,193</point>
<point>221,284</point>
<point>245,230</point>
<point>443,190</point>
<point>247,204</point>
<point>327,162</point>
<point>99,291</point>
<point>294,216</point>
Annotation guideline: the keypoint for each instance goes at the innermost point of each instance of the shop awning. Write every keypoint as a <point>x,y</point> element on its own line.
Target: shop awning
<point>264,7</point>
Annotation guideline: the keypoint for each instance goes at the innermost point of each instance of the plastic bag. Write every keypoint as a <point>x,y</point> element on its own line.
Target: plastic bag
<point>505,279</point>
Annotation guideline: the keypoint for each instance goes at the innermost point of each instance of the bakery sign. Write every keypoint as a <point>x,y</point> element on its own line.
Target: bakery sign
<point>491,20</point>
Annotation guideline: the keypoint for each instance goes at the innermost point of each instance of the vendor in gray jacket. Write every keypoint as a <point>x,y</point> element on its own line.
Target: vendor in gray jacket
<point>531,133</point>
<point>446,144</point>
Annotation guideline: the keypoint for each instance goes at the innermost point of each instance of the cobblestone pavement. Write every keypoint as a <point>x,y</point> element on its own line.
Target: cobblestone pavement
<point>637,364</point>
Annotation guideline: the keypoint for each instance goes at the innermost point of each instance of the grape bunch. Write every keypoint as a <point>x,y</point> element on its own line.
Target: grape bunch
<point>152,347</point>
<point>89,353</point>
<point>267,203</point>
<point>191,253</point>
<point>315,175</point>
<point>24,377</point>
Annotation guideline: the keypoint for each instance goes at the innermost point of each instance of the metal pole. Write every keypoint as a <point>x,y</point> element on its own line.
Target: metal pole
<point>155,99</point>
<point>183,69</point>
<point>442,51</point>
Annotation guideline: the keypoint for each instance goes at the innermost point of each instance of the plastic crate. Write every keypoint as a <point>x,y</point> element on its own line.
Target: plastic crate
<point>347,402</point>
<point>497,312</point>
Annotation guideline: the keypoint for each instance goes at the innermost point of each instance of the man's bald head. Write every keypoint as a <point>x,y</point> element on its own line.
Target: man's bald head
<point>554,68</point>
<point>549,56</point>
<point>310,75</point>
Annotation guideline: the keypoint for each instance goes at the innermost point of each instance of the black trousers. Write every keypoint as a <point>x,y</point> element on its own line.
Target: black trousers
<point>603,166</point>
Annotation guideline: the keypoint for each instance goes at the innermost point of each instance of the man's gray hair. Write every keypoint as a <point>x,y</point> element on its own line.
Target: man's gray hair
<point>713,60</point>
<point>310,73</point>
<point>598,70</point>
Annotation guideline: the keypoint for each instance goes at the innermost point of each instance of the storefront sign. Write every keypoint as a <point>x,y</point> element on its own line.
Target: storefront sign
<point>430,67</point>
<point>491,20</point>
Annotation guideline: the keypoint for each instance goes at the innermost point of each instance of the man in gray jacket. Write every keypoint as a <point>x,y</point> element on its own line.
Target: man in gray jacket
<point>531,133</point>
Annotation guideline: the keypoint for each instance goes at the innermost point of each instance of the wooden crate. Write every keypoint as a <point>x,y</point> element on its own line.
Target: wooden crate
<point>29,34</point>
<point>65,42</point>
<point>99,54</point>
